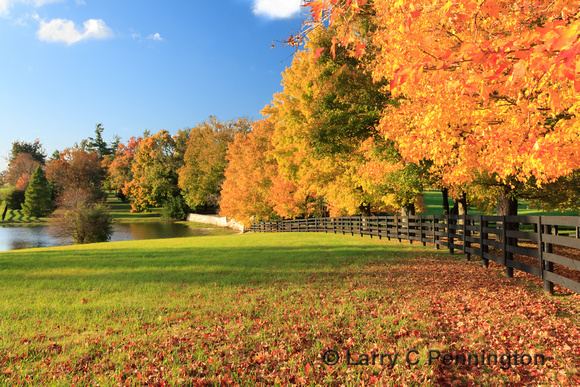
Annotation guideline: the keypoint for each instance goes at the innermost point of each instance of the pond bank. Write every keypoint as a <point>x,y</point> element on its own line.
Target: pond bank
<point>19,237</point>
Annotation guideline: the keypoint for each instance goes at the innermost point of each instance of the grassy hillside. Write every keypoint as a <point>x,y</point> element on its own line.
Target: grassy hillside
<point>263,308</point>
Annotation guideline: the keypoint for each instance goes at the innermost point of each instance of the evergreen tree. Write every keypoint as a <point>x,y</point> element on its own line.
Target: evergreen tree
<point>34,149</point>
<point>114,145</point>
<point>38,198</point>
<point>98,144</point>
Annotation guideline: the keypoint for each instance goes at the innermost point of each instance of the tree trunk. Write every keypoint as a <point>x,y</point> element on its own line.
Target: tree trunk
<point>445,193</point>
<point>507,204</point>
<point>455,209</point>
<point>365,209</point>
<point>4,212</point>
<point>408,210</point>
<point>462,204</point>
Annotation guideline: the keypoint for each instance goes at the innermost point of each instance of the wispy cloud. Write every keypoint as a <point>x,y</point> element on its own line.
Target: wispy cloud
<point>277,9</point>
<point>6,5</point>
<point>65,31</point>
<point>156,37</point>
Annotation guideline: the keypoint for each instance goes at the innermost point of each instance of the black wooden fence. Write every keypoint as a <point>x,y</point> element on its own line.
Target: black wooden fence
<point>547,247</point>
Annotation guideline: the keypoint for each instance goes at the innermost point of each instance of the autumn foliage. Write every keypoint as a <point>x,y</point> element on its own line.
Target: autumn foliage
<point>388,97</point>
<point>246,192</point>
<point>204,161</point>
<point>487,88</point>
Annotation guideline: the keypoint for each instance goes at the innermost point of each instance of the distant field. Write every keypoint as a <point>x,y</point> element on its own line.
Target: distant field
<point>262,309</point>
<point>121,212</point>
<point>434,206</point>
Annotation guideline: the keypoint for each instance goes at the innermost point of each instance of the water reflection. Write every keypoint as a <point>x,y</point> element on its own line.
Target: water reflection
<point>14,238</point>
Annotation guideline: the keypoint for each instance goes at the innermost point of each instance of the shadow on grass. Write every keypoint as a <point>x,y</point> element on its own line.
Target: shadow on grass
<point>197,265</point>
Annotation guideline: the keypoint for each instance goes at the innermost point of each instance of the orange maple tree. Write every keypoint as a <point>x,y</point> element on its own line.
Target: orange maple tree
<point>119,169</point>
<point>486,88</point>
<point>245,193</point>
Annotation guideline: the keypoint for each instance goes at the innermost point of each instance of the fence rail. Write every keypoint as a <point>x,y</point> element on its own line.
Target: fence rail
<point>547,247</point>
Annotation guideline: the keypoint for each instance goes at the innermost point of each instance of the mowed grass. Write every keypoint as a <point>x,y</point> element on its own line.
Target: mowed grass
<point>17,217</point>
<point>433,201</point>
<point>262,308</point>
<point>121,212</point>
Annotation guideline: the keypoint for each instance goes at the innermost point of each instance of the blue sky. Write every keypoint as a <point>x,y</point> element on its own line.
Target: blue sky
<point>135,64</point>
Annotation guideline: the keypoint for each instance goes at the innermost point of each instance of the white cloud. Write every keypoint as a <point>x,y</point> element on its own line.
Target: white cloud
<point>65,31</point>
<point>156,37</point>
<point>277,9</point>
<point>6,5</point>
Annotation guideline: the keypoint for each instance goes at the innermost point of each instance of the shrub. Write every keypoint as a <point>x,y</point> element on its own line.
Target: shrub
<point>175,209</point>
<point>84,224</point>
<point>81,218</point>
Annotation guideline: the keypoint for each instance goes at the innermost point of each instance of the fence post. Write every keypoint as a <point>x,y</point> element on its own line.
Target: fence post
<point>449,237</point>
<point>397,227</point>
<point>539,230</point>
<point>360,226</point>
<point>423,241</point>
<point>509,271</point>
<point>549,266</point>
<point>435,231</point>
<point>466,234</point>
<point>483,248</point>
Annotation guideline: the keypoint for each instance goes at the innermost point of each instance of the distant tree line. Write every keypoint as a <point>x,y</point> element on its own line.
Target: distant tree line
<point>179,173</point>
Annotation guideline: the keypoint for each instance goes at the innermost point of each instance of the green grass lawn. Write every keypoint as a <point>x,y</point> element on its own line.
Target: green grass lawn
<point>121,212</point>
<point>434,206</point>
<point>17,217</point>
<point>262,308</point>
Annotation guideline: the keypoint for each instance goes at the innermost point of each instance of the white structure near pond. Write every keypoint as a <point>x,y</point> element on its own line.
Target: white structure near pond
<point>220,221</point>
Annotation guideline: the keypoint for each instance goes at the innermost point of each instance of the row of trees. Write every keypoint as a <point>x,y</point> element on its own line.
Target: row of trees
<point>387,98</point>
<point>180,173</point>
<point>384,100</point>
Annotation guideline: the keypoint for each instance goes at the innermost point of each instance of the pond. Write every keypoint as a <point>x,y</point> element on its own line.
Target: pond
<point>14,238</point>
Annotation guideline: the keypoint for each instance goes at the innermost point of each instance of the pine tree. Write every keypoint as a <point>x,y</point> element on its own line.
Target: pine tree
<point>38,201</point>
<point>98,144</point>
